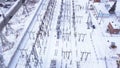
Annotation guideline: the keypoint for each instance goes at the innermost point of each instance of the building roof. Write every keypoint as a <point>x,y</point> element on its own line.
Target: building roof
<point>116,25</point>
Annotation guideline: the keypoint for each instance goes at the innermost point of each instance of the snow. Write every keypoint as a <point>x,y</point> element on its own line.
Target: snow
<point>4,10</point>
<point>89,48</point>
<point>19,27</point>
<point>116,25</point>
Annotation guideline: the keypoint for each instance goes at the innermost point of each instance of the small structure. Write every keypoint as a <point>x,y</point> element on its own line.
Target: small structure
<point>114,28</point>
<point>113,46</point>
<point>53,64</point>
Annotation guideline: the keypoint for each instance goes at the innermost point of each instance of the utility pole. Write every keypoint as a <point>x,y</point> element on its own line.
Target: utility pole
<point>89,21</point>
<point>81,37</point>
<point>84,55</point>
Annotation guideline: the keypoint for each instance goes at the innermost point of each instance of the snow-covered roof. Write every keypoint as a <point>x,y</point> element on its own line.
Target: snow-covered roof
<point>101,7</point>
<point>116,25</point>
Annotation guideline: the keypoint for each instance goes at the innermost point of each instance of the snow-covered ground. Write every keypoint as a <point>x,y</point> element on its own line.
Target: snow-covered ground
<point>77,46</point>
<point>15,30</point>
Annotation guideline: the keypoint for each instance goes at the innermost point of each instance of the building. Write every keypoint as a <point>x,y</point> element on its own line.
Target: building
<point>103,0</point>
<point>96,0</point>
<point>114,28</point>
